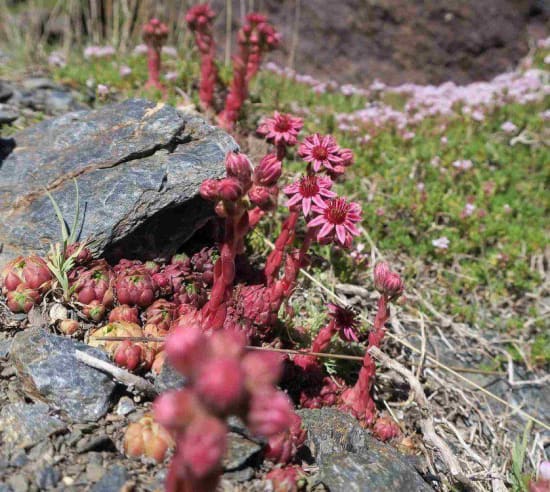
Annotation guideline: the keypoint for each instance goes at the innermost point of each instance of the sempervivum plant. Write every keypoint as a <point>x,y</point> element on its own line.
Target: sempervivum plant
<point>32,272</point>
<point>135,287</point>
<point>146,437</point>
<point>22,299</point>
<point>93,283</point>
<point>131,355</point>
<point>223,379</point>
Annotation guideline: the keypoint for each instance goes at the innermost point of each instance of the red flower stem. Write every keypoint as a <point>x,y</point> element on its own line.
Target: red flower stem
<point>281,151</point>
<point>238,89</point>
<point>286,237</point>
<point>359,398</point>
<point>323,338</point>
<point>224,270</point>
<point>153,66</point>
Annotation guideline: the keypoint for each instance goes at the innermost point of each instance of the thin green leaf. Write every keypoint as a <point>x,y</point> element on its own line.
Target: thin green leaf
<point>64,232</point>
<point>74,229</point>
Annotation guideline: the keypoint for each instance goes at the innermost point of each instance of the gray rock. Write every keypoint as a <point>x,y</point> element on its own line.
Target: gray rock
<point>240,452</point>
<point>351,460</point>
<point>5,346</point>
<point>25,424</point>
<point>7,115</point>
<point>168,379</point>
<point>138,165</point>
<point>47,478</point>
<point>5,488</point>
<point>18,482</point>
<point>112,481</point>
<point>5,91</point>
<point>34,83</point>
<point>47,366</point>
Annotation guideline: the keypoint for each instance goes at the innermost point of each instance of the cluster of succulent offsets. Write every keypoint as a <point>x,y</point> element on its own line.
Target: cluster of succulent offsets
<point>223,379</point>
<point>24,282</point>
<point>155,34</point>
<point>203,313</point>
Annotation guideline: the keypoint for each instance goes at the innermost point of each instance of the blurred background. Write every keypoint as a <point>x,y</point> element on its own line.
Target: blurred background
<point>396,41</point>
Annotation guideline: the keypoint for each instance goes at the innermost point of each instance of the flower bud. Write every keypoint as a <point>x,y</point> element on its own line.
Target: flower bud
<point>230,189</point>
<point>220,385</point>
<point>263,197</point>
<point>175,409</point>
<point>209,189</point>
<point>270,413</point>
<point>203,446</point>
<point>186,349</point>
<point>238,166</point>
<point>262,369</point>
<point>268,171</point>
<point>347,157</point>
<point>386,282</point>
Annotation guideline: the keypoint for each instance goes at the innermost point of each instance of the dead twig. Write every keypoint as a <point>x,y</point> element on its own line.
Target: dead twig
<point>121,375</point>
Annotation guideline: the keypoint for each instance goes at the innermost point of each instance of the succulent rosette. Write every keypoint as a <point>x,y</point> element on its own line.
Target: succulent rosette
<point>93,283</point>
<point>161,314</point>
<point>12,274</point>
<point>132,355</point>
<point>22,299</point>
<point>135,287</point>
<point>147,438</point>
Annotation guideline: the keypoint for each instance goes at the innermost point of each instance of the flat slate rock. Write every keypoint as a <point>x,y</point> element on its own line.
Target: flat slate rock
<point>113,480</point>
<point>25,424</point>
<point>49,371</point>
<point>350,459</point>
<point>138,165</point>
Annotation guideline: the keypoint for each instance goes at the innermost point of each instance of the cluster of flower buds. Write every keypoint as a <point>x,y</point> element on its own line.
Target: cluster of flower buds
<point>154,35</point>
<point>259,37</point>
<point>24,281</point>
<point>255,38</point>
<point>228,193</point>
<point>200,19</point>
<point>223,379</point>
